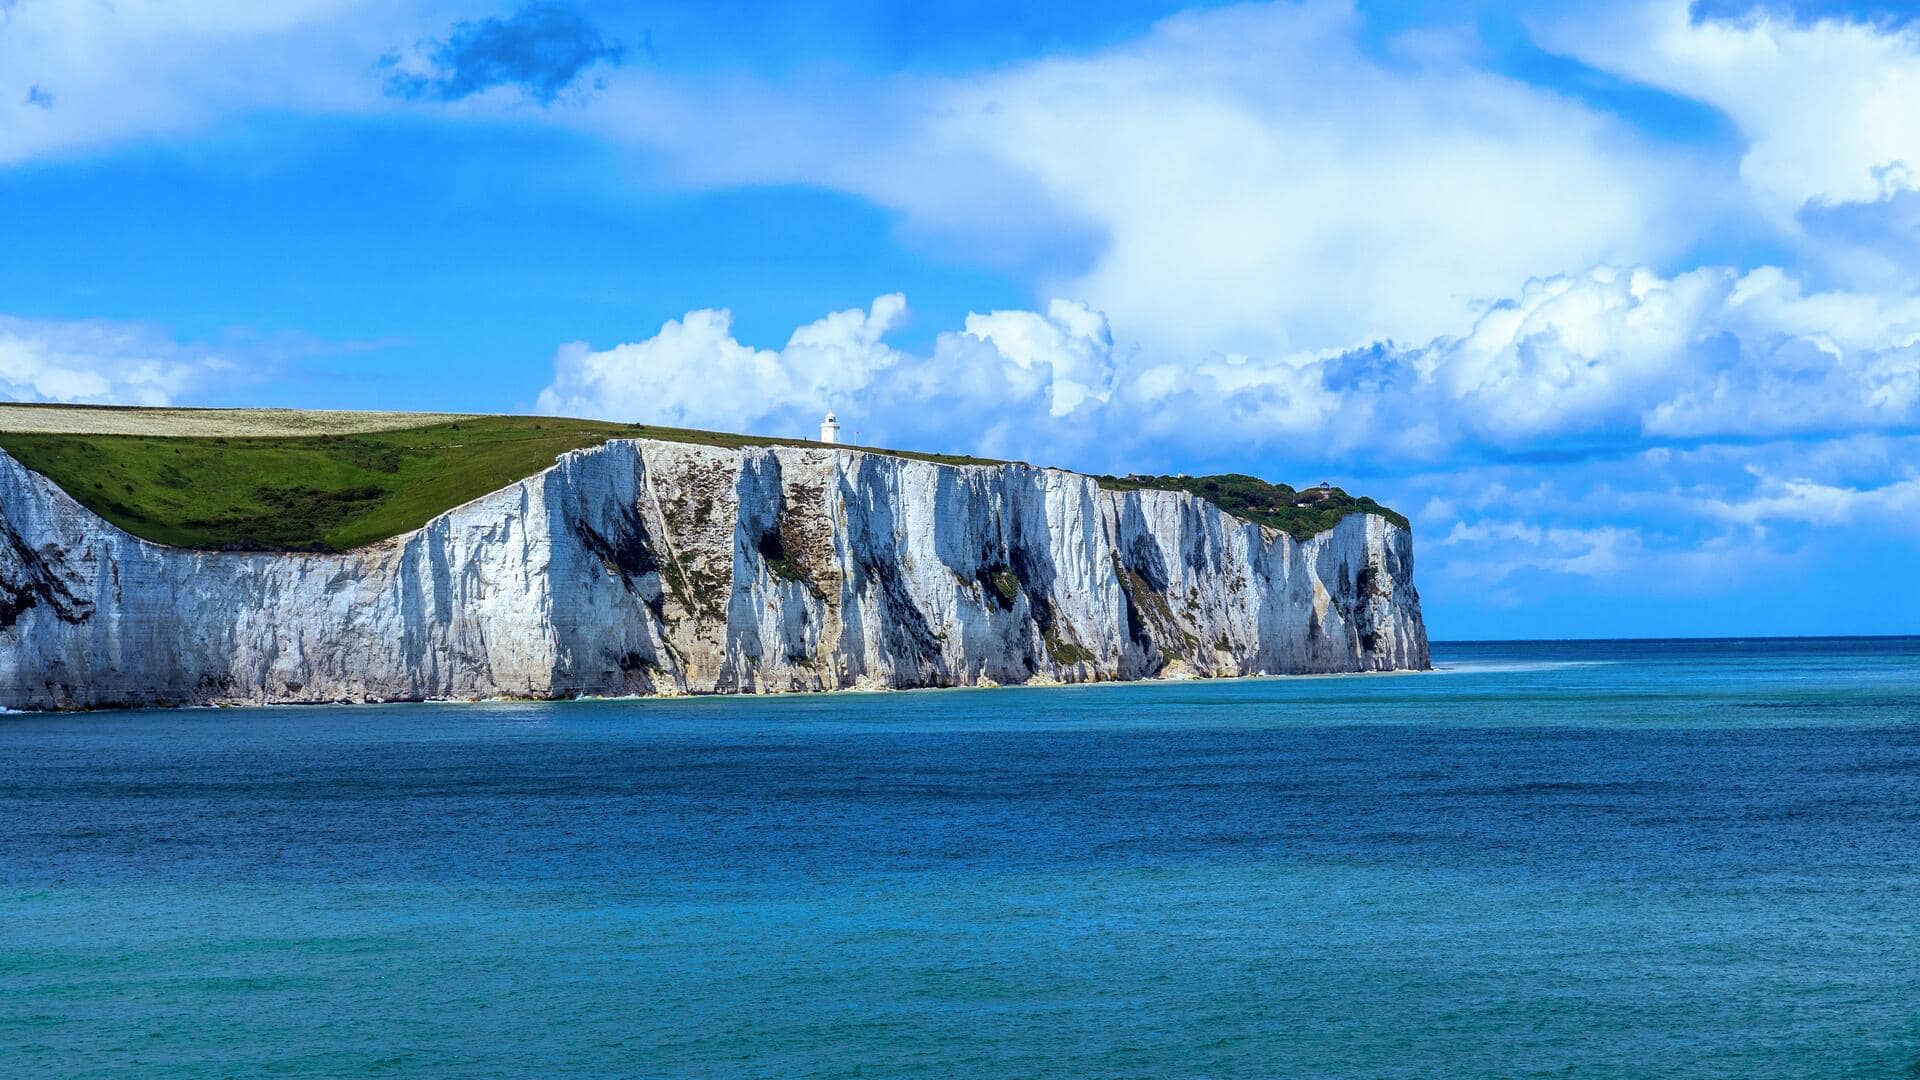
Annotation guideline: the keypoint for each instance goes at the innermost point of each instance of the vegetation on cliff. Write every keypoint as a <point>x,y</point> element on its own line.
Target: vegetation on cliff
<point>288,480</point>
<point>1301,513</point>
<point>301,492</point>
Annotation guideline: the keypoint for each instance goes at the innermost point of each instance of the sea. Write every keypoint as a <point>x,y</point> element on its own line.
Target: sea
<point>1566,859</point>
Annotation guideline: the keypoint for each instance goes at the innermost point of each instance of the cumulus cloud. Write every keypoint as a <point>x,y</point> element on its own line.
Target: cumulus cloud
<point>1710,352</point>
<point>1364,200</point>
<point>1830,108</point>
<point>1070,346</point>
<point>1249,180</point>
<point>1279,213</point>
<point>1006,382</point>
<point>542,48</point>
<point>1611,358</point>
<point>97,361</point>
<point>1257,180</point>
<point>695,373</point>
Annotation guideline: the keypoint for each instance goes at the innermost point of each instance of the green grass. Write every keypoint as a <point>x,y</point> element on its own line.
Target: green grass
<point>1302,514</point>
<point>352,487</point>
<point>313,492</point>
<point>1005,585</point>
<point>326,492</point>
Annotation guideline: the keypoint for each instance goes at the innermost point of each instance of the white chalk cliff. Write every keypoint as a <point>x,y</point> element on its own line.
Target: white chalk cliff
<point>645,567</point>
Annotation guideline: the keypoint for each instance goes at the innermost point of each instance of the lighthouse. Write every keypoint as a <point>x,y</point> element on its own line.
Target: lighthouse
<point>829,429</point>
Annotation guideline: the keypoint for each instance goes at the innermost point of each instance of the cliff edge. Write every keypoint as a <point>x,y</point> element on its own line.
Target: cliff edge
<point>649,567</point>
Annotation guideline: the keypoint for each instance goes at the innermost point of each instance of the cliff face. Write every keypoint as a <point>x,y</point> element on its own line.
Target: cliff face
<point>646,567</point>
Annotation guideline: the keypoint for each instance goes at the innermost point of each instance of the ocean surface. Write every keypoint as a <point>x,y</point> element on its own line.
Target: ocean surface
<point>1569,859</point>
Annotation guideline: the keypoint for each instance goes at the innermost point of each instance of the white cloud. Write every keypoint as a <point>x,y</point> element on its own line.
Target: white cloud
<point>97,361</point>
<point>1008,382</point>
<point>1600,553</point>
<point>1828,111</point>
<point>1252,191</point>
<point>1814,503</point>
<point>1264,186</point>
<point>107,71</point>
<point>1071,342</point>
<point>1254,180</point>
<point>694,373</point>
<point>1830,108</point>
<point>1570,353</point>
<point>1704,353</point>
<point>1491,553</point>
<point>1264,193</point>
<point>1612,357</point>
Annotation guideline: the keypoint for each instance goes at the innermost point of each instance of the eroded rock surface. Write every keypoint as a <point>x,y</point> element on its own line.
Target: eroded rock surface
<point>644,567</point>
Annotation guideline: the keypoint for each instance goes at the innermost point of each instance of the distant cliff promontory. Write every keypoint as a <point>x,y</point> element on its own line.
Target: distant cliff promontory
<point>651,565</point>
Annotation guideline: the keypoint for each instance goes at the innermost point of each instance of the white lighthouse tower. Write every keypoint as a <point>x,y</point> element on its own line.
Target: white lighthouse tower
<point>829,429</point>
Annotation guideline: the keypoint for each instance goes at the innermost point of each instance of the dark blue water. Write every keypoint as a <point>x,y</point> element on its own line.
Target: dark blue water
<point>1588,859</point>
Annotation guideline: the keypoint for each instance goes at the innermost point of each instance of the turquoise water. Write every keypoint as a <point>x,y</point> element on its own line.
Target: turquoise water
<point>1585,859</point>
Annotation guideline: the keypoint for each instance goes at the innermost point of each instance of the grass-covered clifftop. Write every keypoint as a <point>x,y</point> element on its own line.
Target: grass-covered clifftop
<point>1301,513</point>
<point>315,491</point>
<point>290,480</point>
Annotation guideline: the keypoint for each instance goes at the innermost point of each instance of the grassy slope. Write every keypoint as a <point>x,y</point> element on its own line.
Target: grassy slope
<point>297,490</point>
<point>313,492</point>
<point>291,492</point>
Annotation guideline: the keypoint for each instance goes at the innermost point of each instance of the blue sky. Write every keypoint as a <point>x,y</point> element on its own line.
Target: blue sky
<point>1618,303</point>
